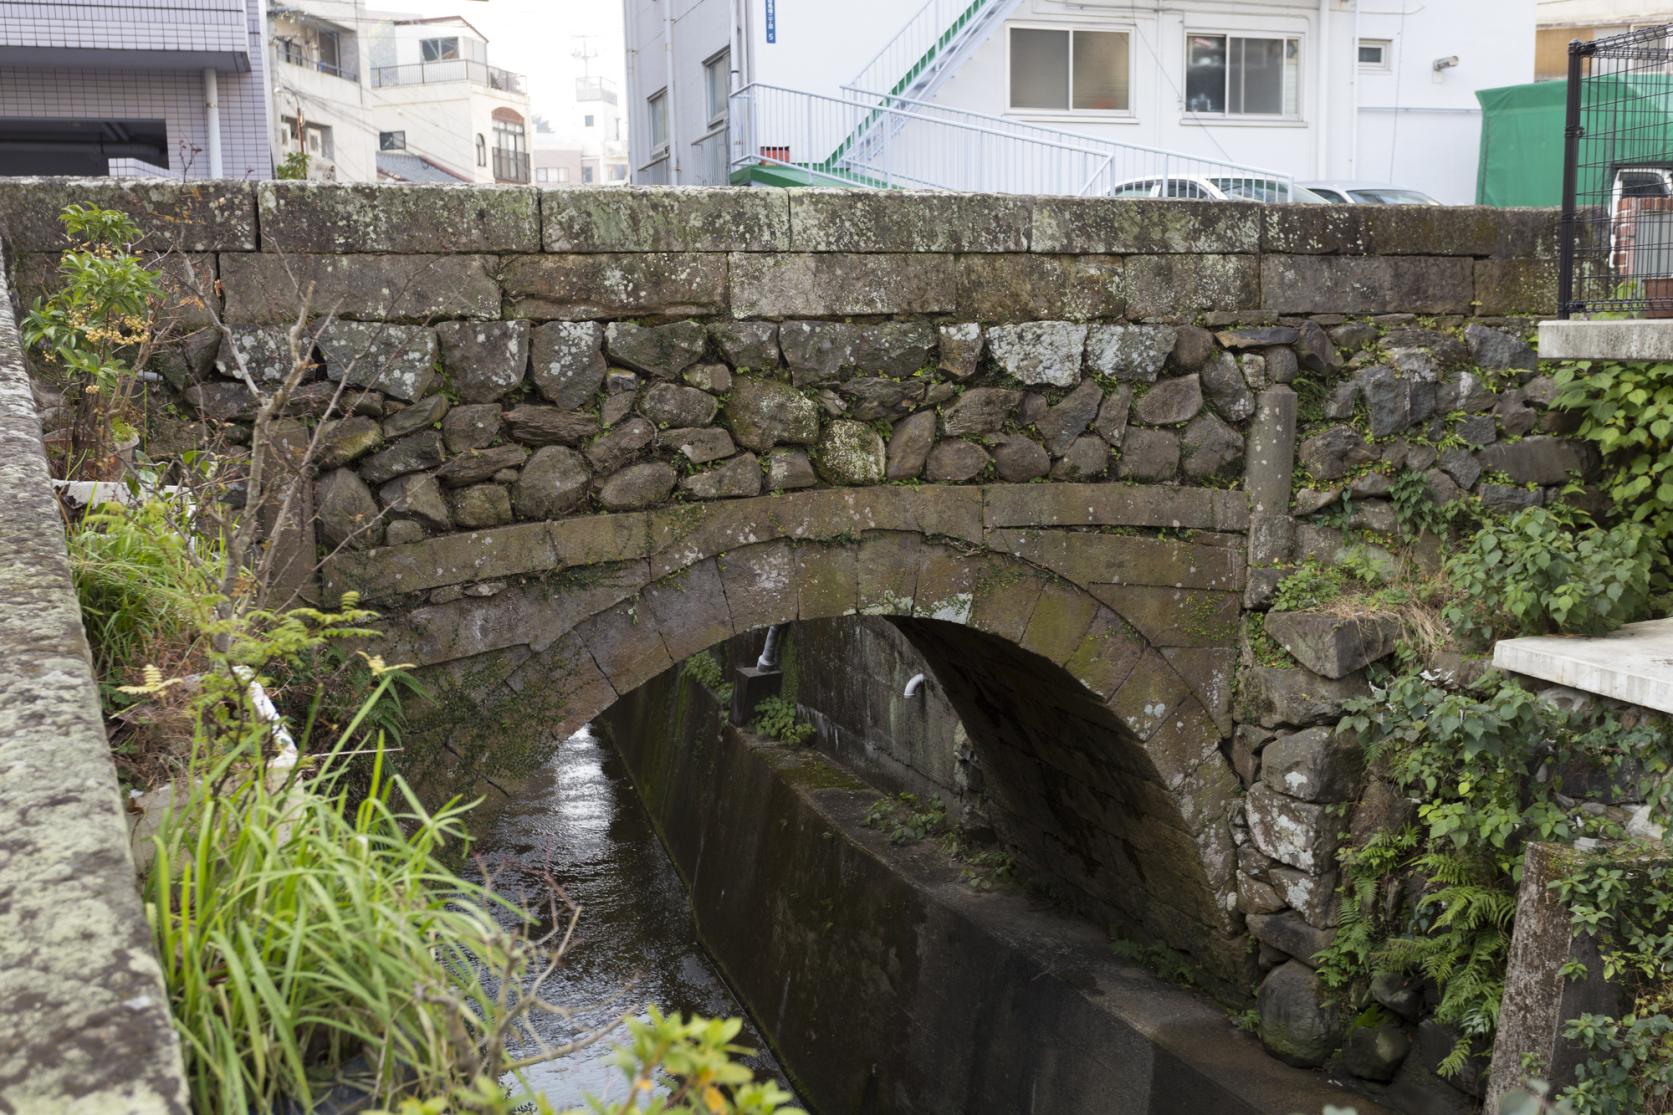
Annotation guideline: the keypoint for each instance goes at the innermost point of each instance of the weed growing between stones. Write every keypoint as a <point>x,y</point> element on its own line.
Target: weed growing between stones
<point>906,819</point>
<point>1431,896</point>
<point>778,718</point>
<point>705,670</point>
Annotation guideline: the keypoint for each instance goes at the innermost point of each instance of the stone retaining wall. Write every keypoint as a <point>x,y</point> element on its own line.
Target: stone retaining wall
<point>84,1025</point>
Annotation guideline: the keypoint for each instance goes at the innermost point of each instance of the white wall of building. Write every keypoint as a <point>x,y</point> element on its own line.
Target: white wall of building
<point>1414,125</point>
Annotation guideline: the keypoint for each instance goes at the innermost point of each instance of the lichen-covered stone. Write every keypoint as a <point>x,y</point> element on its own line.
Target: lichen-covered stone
<point>263,288</point>
<point>671,404</point>
<point>762,413</point>
<point>716,379</point>
<point>1302,834</point>
<point>1332,645</point>
<point>961,347</point>
<point>264,352</point>
<point>880,397</point>
<point>615,284</point>
<point>784,285</point>
<point>1227,387</point>
<point>788,469</point>
<point>664,219</point>
<point>416,497</point>
<point>1130,352</point>
<point>1111,423</point>
<point>747,345</point>
<point>413,453</point>
<point>347,513</point>
<point>1171,402</point>
<point>1329,455</point>
<point>480,506</point>
<point>1315,764</point>
<point>1039,352</point>
<point>1275,696</point>
<point>538,425</point>
<point>398,360</point>
<point>419,416</point>
<point>700,446</point>
<point>980,410</point>
<point>554,481</point>
<point>485,360</point>
<point>366,217</point>
<point>955,461</point>
<point>660,351</point>
<point>850,452</point>
<point>566,362</point>
<point>737,478</point>
<point>1298,1025</point>
<point>825,352</point>
<point>1537,460</point>
<point>637,486</point>
<point>344,440</point>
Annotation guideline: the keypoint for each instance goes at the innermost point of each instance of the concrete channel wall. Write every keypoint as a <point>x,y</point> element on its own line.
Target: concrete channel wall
<point>84,1022</point>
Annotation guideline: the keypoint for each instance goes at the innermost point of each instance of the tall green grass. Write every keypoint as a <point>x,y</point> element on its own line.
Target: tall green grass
<point>301,929</point>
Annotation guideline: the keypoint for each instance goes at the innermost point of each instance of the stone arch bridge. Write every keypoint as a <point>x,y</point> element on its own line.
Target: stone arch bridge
<point>1087,634</point>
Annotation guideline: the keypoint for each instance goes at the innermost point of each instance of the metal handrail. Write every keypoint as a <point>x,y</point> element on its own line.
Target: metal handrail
<point>451,69</point>
<point>1020,127</point>
<point>928,30</point>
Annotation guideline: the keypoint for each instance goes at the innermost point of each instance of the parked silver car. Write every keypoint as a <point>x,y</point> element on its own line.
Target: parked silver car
<point>1368,193</point>
<point>1215,187</point>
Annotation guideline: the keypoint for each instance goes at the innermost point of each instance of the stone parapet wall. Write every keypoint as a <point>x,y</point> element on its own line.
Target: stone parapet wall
<point>85,1024</point>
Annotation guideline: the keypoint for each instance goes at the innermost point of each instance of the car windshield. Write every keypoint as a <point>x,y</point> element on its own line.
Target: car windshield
<point>1389,196</point>
<point>1265,189</point>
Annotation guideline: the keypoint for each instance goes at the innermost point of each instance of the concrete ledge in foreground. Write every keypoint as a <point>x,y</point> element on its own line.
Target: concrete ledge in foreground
<point>1606,340</point>
<point>1634,664</point>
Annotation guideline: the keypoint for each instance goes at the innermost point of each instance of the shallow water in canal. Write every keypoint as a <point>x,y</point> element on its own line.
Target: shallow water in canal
<point>579,819</point>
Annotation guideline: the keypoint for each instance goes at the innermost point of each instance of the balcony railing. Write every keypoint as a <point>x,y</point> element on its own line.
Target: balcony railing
<point>595,89</point>
<point>297,55</point>
<point>432,73</point>
<point>510,165</point>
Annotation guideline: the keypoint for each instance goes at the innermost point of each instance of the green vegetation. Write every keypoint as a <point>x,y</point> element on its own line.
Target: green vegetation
<point>704,669</point>
<point>777,718</point>
<point>906,819</point>
<point>1546,570</point>
<point>1626,410</point>
<point>1486,761</point>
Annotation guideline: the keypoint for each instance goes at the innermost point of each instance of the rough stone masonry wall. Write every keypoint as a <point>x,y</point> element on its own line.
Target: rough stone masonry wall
<point>84,1024</point>
<point>522,355</point>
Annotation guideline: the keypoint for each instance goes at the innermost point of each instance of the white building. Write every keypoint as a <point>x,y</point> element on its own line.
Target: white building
<point>173,88</point>
<point>371,95</point>
<point>1562,21</point>
<point>1057,96</point>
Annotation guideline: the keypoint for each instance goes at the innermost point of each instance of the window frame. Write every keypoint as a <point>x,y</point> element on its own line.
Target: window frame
<point>396,140</point>
<point>656,112</point>
<point>424,44</point>
<point>1384,65</point>
<point>715,109</point>
<point>1225,116</point>
<point>481,149</point>
<point>1070,112</point>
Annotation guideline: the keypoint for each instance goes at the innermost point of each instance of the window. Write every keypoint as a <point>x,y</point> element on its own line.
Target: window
<point>562,174</point>
<point>439,50</point>
<point>717,79</point>
<point>508,135</point>
<point>1329,195</point>
<point>392,141</point>
<point>540,174</point>
<point>1237,76</point>
<point>657,104</point>
<point>587,120</point>
<point>587,175</point>
<point>1069,70</point>
<point>481,149</point>
<point>1143,188</point>
<point>315,139</point>
<point>329,54</point>
<point>1376,54</point>
<point>618,172</point>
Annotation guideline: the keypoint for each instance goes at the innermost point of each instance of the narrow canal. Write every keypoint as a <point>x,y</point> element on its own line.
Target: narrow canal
<point>579,821</point>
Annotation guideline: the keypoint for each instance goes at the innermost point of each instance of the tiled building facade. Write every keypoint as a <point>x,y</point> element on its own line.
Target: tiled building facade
<point>124,87</point>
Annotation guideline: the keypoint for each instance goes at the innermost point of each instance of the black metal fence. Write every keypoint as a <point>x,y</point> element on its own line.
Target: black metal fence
<point>1616,253</point>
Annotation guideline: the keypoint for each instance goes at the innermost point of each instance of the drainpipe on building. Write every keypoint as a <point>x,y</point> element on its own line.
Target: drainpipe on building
<point>1322,158</point>
<point>212,120</point>
<point>634,133</point>
<point>673,102</point>
<point>1353,100</point>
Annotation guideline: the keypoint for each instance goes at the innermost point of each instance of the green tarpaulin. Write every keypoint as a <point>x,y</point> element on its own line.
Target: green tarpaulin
<point>1522,137</point>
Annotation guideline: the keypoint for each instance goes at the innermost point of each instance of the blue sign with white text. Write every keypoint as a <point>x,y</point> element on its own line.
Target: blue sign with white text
<point>772,21</point>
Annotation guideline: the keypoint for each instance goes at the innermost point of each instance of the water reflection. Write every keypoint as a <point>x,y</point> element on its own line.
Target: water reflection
<point>579,820</point>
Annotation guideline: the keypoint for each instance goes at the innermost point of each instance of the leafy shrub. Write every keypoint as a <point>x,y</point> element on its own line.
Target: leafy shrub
<point>1474,756</point>
<point>905,821</point>
<point>1547,570</point>
<point>1626,410</point>
<point>94,330</point>
<point>777,718</point>
<point>705,670</point>
<point>1309,586</point>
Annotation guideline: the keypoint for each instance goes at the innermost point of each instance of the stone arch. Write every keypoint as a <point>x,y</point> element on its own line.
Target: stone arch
<point>1082,674</point>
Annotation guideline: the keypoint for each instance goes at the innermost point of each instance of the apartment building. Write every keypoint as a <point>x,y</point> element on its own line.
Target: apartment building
<point>175,88</point>
<point>1065,96</point>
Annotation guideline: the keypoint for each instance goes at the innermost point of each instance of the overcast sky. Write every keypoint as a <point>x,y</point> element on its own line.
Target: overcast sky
<point>539,38</point>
